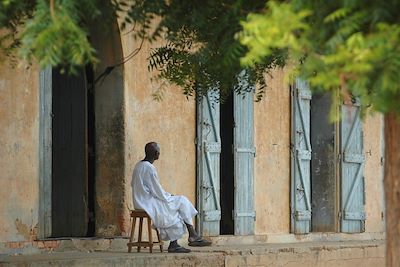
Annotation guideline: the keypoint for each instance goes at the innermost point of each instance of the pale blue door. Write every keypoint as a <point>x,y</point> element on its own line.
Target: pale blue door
<point>301,158</point>
<point>244,152</point>
<point>208,152</point>
<point>352,169</point>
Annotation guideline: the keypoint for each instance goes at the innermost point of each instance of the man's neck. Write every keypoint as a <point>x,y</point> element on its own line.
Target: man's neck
<point>149,160</point>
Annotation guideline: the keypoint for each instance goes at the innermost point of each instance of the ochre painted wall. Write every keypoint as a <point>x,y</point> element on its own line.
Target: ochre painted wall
<point>272,163</point>
<point>373,147</point>
<point>110,205</point>
<point>170,122</point>
<point>19,135</point>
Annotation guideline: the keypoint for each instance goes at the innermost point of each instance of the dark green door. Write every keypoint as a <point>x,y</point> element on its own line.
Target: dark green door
<point>69,155</point>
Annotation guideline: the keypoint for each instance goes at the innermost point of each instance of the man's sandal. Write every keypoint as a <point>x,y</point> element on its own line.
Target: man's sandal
<point>178,249</point>
<point>199,242</point>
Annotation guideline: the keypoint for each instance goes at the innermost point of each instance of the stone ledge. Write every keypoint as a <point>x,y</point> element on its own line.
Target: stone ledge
<point>292,238</point>
<point>63,245</point>
<point>119,243</point>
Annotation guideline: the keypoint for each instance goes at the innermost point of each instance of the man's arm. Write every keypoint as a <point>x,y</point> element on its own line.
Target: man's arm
<point>156,189</point>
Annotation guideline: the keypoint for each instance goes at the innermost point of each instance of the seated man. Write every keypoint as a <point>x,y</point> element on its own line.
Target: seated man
<point>171,215</point>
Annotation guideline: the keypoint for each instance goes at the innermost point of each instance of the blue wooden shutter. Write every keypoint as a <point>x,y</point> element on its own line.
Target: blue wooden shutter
<point>244,152</point>
<point>209,149</point>
<point>352,169</point>
<point>301,158</point>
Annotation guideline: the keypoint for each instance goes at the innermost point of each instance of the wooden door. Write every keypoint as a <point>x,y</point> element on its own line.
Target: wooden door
<point>244,153</point>
<point>69,155</point>
<point>208,176</point>
<point>301,158</point>
<point>352,169</point>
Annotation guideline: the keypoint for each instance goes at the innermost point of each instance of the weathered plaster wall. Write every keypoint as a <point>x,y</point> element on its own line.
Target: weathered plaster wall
<point>109,131</point>
<point>170,122</point>
<point>19,135</point>
<point>272,162</point>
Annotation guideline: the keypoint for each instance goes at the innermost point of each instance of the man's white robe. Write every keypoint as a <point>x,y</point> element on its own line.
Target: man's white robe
<point>168,213</point>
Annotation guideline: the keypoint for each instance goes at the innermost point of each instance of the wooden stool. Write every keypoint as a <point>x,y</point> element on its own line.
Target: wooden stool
<point>142,214</point>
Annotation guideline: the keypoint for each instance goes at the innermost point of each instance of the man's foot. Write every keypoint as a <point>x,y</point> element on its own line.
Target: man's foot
<point>199,242</point>
<point>178,249</point>
<point>194,239</point>
<point>174,247</point>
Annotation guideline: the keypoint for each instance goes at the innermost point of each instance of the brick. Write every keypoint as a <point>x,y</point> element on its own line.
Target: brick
<point>52,244</point>
<point>40,244</point>
<point>12,244</point>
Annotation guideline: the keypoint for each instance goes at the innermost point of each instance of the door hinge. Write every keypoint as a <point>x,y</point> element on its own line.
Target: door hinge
<point>245,150</point>
<point>236,214</point>
<point>302,215</point>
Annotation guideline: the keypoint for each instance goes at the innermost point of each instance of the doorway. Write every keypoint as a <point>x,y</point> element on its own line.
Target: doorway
<point>323,165</point>
<point>73,165</point>
<point>225,149</point>
<point>327,185</point>
<point>227,166</point>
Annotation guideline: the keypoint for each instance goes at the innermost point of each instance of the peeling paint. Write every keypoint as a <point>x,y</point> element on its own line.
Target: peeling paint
<point>19,111</point>
<point>22,229</point>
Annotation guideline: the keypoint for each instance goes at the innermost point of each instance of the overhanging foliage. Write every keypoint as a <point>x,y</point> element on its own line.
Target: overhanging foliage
<point>350,46</point>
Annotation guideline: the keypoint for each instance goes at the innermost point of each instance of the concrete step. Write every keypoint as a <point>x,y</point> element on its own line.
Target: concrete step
<point>98,259</point>
<point>320,254</point>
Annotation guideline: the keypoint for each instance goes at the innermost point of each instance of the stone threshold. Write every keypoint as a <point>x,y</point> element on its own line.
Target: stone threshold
<point>293,238</point>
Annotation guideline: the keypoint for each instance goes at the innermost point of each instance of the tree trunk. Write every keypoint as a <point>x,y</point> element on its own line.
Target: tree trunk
<point>392,189</point>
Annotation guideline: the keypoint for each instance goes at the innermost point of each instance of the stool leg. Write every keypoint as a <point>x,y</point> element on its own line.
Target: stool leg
<point>132,234</point>
<point>150,235</point>
<point>140,234</point>
<point>159,240</point>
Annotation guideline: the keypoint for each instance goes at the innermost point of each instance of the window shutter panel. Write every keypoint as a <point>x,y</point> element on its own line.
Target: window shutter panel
<point>209,149</point>
<point>244,152</point>
<point>352,169</point>
<point>301,158</point>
